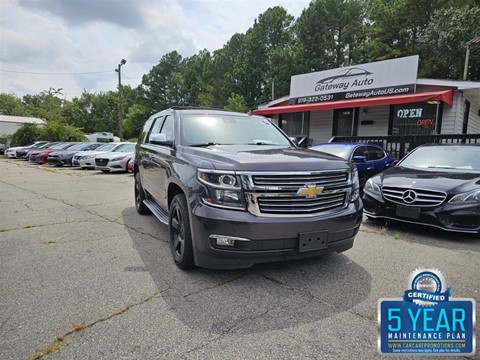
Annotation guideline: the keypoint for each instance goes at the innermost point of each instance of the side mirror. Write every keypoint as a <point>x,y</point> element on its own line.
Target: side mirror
<point>359,159</point>
<point>159,139</point>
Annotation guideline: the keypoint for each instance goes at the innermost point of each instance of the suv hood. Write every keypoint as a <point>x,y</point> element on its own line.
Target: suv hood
<point>262,158</point>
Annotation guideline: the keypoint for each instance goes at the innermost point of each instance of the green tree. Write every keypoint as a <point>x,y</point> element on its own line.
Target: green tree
<point>58,131</point>
<point>26,134</point>
<point>270,36</point>
<point>236,103</point>
<point>443,44</point>
<point>134,120</point>
<point>160,86</point>
<point>196,73</point>
<point>394,26</point>
<point>12,105</point>
<point>223,79</point>
<point>46,105</point>
<point>324,30</point>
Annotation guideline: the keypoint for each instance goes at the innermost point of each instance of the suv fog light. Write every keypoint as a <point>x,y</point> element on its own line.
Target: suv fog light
<point>223,241</point>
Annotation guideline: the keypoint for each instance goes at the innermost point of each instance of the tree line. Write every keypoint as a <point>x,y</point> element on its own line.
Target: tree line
<point>258,64</point>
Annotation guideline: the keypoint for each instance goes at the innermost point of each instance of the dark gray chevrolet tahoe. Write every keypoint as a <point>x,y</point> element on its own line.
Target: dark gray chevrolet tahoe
<point>234,190</point>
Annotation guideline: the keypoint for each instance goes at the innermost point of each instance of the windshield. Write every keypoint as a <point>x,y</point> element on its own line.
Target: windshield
<point>125,148</point>
<point>106,147</point>
<point>337,149</point>
<point>80,146</point>
<point>57,146</point>
<point>225,129</point>
<point>464,158</point>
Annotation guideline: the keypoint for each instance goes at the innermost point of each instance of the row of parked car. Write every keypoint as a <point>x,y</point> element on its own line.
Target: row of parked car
<point>107,157</point>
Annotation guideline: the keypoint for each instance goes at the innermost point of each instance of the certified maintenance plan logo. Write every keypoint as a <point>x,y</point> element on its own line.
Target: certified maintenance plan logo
<point>426,321</point>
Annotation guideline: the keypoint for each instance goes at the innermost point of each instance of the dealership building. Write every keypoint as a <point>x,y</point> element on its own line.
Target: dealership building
<point>382,102</point>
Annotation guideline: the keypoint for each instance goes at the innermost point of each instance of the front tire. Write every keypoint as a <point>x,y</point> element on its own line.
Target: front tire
<point>180,234</point>
<point>142,209</point>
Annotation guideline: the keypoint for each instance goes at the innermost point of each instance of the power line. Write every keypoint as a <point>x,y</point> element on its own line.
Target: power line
<point>57,73</point>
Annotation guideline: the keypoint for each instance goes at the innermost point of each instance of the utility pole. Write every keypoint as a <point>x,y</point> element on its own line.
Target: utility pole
<point>467,55</point>
<point>120,106</point>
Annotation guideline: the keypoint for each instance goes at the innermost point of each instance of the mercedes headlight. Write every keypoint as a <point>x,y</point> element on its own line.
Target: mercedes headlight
<point>224,188</point>
<point>472,197</point>
<point>373,185</point>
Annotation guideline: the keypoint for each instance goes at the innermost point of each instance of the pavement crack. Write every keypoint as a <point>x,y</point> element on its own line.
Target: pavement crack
<point>56,345</point>
<point>315,298</point>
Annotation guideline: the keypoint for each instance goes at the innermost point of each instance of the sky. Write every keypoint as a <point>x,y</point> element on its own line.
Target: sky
<point>76,45</point>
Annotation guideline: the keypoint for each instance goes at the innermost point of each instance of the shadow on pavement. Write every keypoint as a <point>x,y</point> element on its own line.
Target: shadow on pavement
<point>263,298</point>
<point>424,234</point>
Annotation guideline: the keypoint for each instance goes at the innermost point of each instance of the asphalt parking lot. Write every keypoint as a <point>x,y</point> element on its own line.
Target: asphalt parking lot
<point>82,276</point>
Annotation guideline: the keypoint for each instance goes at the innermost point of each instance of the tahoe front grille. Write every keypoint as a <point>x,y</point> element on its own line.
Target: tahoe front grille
<point>292,180</point>
<point>280,194</point>
<point>413,197</point>
<point>301,205</point>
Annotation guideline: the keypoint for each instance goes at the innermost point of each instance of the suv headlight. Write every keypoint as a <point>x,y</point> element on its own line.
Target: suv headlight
<point>355,194</point>
<point>224,188</point>
<point>86,157</point>
<point>472,197</point>
<point>373,186</point>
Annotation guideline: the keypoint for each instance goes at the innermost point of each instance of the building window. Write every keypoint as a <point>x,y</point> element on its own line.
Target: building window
<point>295,124</point>
<point>465,117</point>
<point>416,119</point>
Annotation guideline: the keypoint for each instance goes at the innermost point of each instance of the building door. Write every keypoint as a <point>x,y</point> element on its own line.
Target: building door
<point>345,122</point>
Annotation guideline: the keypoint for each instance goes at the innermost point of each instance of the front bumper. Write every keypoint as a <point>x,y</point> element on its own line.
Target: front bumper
<point>39,159</point>
<point>456,218</point>
<point>112,166</point>
<point>270,239</point>
<point>57,161</point>
<point>85,163</point>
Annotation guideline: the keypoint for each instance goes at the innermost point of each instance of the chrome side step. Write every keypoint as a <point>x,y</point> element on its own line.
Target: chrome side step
<point>157,210</point>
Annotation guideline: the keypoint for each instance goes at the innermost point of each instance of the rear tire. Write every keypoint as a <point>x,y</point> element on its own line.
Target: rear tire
<point>142,209</point>
<point>180,234</point>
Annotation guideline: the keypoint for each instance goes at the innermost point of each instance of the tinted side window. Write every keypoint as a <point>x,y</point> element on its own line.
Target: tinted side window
<point>146,128</point>
<point>359,151</point>
<point>167,128</point>
<point>375,153</point>
<point>157,124</point>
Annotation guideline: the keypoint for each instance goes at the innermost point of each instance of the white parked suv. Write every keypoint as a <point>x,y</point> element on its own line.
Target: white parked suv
<point>86,159</point>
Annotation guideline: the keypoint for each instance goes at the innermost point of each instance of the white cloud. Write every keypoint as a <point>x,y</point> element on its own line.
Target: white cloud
<point>65,39</point>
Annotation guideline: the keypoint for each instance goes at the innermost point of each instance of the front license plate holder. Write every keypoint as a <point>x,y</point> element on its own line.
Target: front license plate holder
<point>315,240</point>
<point>408,212</point>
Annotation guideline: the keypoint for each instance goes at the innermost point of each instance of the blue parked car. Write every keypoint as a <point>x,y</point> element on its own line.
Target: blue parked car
<point>370,159</point>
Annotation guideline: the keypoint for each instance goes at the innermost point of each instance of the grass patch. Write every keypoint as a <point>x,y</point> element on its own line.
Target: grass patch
<point>79,327</point>
<point>49,348</point>
<point>28,226</point>
<point>2,229</point>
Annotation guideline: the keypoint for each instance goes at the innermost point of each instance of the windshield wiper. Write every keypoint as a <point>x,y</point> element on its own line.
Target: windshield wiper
<point>261,143</point>
<point>206,144</point>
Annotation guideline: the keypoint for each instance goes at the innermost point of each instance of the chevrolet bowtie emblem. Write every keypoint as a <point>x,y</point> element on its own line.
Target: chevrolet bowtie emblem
<point>310,191</point>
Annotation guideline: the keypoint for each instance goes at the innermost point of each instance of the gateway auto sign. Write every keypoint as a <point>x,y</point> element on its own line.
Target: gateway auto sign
<point>383,78</point>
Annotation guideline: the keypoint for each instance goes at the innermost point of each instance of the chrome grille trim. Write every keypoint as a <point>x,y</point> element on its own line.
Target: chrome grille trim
<point>424,197</point>
<point>275,194</point>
